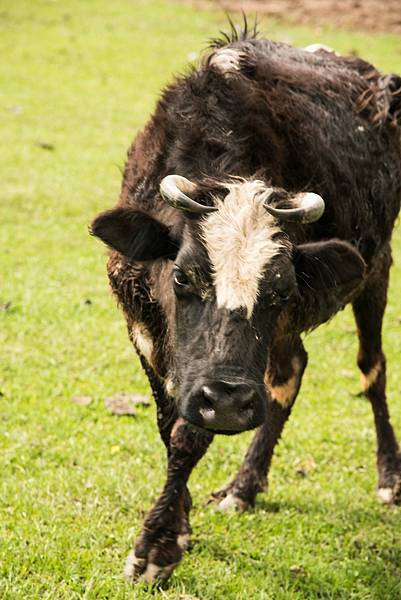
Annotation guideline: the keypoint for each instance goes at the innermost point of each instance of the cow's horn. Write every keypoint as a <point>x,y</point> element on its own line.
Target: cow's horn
<point>308,208</point>
<point>174,190</point>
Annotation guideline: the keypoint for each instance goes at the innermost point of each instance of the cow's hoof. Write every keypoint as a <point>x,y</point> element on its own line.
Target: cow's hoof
<point>391,495</point>
<point>184,541</point>
<point>142,569</point>
<point>232,503</point>
<point>156,556</point>
<point>227,500</point>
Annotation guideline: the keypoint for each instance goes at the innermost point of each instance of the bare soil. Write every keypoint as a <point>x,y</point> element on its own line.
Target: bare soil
<point>368,15</point>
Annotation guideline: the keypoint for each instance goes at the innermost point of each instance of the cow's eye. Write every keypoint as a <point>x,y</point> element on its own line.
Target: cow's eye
<point>284,296</point>
<point>279,297</point>
<point>180,279</point>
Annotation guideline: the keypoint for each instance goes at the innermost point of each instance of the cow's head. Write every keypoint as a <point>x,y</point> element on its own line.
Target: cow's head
<point>234,272</point>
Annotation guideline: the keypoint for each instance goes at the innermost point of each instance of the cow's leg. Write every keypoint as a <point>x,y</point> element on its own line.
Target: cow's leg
<point>283,380</point>
<point>160,546</point>
<point>167,415</point>
<point>369,310</point>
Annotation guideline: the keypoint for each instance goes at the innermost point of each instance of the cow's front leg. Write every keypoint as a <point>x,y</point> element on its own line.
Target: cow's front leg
<point>166,529</point>
<point>283,380</point>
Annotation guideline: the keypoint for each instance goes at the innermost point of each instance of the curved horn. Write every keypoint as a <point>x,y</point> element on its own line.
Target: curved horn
<point>309,207</point>
<point>173,188</point>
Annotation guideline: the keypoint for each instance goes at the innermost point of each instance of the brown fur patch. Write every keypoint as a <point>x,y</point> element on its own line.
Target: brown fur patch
<point>285,393</point>
<point>368,379</point>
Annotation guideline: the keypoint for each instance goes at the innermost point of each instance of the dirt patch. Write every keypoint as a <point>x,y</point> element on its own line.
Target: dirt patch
<point>368,15</point>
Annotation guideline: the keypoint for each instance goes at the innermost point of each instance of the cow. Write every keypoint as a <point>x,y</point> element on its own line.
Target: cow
<point>257,202</point>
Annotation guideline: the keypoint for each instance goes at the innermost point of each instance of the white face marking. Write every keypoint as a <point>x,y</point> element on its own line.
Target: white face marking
<point>238,239</point>
<point>284,394</point>
<point>226,60</point>
<point>143,341</point>
<point>371,377</point>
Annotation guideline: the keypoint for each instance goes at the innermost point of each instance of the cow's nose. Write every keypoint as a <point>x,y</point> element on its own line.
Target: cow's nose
<point>226,407</point>
<point>224,395</point>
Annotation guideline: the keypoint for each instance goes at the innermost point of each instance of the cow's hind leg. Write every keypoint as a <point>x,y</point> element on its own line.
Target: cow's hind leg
<point>369,310</point>
<point>283,380</point>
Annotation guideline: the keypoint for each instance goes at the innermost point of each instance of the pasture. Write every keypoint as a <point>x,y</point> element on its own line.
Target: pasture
<point>77,81</point>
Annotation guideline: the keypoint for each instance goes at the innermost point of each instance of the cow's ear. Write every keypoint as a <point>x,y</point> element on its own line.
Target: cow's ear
<point>135,234</point>
<point>323,266</point>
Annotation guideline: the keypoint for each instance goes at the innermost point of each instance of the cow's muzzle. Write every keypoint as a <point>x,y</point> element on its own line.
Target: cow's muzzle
<point>225,406</point>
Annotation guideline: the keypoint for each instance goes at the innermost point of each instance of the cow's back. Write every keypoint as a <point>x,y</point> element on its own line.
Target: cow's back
<point>297,119</point>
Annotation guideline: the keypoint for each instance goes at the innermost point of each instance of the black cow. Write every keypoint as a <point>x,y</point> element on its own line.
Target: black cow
<point>258,201</point>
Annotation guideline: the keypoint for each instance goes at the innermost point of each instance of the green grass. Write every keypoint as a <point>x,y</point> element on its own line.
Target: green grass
<point>83,76</point>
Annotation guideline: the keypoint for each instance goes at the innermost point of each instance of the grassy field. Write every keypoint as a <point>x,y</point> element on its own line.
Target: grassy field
<point>77,80</point>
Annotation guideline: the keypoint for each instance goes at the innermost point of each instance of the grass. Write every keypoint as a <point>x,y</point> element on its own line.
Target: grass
<point>77,80</point>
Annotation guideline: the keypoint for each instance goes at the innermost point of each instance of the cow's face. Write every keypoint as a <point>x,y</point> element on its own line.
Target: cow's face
<point>234,273</point>
<point>232,277</point>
